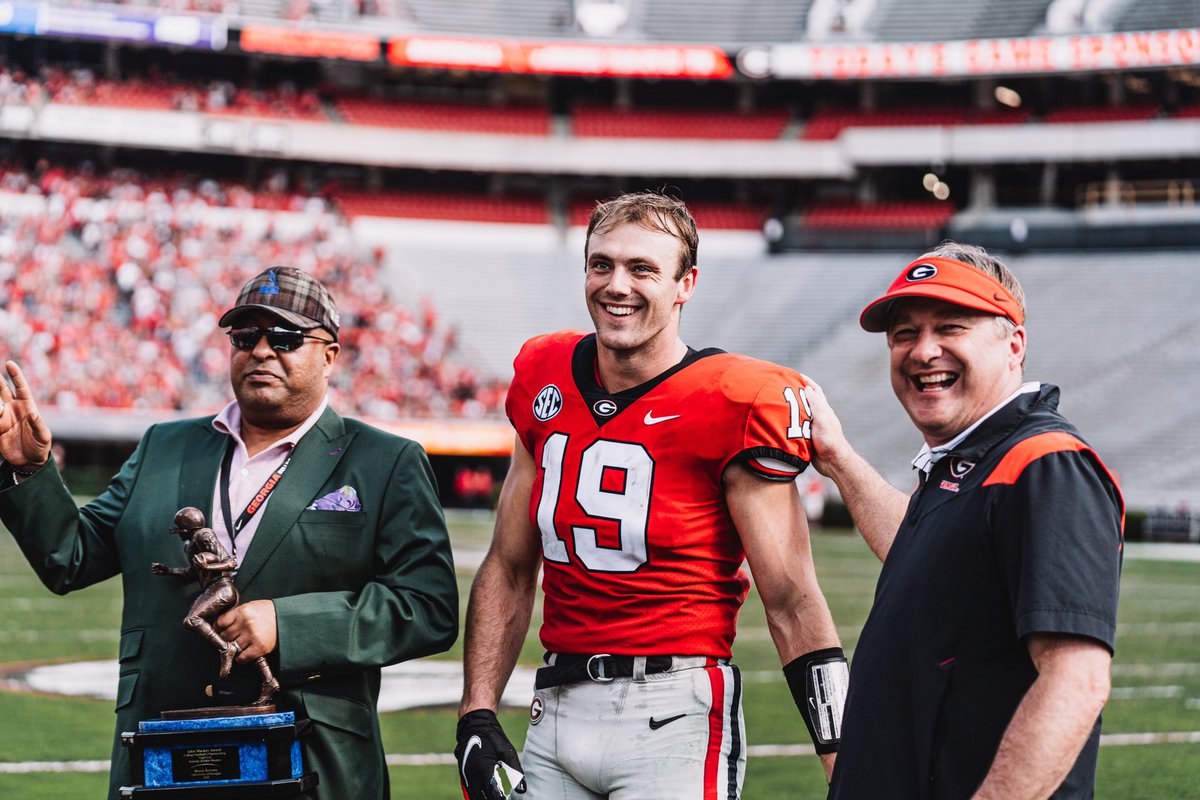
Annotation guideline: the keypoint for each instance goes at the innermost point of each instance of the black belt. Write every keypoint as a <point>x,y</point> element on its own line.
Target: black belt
<point>571,668</point>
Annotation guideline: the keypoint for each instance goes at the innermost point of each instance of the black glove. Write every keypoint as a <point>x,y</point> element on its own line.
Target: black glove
<point>481,744</point>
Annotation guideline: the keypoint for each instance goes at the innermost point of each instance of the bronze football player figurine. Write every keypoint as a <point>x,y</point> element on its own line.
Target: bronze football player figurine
<point>213,569</point>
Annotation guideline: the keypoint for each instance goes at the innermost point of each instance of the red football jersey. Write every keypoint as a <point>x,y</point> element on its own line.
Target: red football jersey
<point>640,555</point>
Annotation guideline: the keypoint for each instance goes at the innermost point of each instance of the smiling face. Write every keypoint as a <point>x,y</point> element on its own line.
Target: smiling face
<point>280,389</point>
<point>632,293</point>
<point>951,365</point>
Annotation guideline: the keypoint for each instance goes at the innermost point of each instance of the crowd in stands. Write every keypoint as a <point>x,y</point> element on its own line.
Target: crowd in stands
<point>111,286</point>
<point>81,86</point>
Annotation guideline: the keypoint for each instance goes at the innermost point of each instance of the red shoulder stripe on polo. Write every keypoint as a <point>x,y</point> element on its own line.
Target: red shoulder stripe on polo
<point>1026,452</point>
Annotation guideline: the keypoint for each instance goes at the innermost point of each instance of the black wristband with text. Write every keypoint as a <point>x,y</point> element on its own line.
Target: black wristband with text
<point>818,681</point>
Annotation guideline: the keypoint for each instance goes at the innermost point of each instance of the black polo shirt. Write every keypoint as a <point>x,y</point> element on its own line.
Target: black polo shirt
<point>1017,531</point>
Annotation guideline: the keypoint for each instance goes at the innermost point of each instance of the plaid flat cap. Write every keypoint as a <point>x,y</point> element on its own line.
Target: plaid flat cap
<point>290,294</point>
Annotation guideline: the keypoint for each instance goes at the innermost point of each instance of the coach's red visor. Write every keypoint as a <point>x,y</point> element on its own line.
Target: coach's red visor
<point>944,279</point>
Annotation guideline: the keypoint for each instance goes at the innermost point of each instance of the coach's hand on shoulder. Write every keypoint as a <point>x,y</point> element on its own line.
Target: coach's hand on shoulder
<point>481,746</point>
<point>828,439</point>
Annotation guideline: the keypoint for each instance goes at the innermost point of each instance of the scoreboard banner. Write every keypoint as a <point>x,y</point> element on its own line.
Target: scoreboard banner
<point>974,57</point>
<point>560,58</point>
<point>116,23</point>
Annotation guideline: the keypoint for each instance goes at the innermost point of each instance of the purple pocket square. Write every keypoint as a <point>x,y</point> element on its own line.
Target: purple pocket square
<point>344,499</point>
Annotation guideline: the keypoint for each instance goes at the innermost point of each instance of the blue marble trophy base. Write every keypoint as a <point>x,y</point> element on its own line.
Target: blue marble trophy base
<point>206,756</point>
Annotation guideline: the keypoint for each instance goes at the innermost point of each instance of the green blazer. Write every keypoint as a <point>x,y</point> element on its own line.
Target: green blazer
<point>353,591</point>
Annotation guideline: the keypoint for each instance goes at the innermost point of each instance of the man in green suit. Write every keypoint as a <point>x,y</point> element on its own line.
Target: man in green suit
<point>344,560</point>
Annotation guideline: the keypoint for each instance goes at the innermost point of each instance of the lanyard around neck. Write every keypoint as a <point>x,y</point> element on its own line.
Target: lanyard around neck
<point>256,502</point>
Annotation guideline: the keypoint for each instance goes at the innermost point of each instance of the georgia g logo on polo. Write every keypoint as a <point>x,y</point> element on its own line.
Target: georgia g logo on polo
<point>548,403</point>
<point>959,467</point>
<point>920,272</point>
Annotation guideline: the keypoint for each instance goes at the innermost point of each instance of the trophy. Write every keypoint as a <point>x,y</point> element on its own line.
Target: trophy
<point>222,751</point>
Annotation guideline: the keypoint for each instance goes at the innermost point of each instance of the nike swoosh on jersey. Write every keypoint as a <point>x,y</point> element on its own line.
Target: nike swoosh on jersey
<point>650,419</point>
<point>472,743</point>
<point>655,724</point>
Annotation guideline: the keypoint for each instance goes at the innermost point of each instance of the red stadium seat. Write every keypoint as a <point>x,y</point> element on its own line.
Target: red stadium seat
<point>1101,114</point>
<point>445,206</point>
<point>520,120</point>
<point>596,121</point>
<point>829,123</point>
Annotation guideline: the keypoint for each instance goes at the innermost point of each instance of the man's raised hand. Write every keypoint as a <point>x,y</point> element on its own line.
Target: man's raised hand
<point>24,435</point>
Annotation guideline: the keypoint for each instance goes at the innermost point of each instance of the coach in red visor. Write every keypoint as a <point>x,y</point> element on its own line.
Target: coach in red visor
<point>984,663</point>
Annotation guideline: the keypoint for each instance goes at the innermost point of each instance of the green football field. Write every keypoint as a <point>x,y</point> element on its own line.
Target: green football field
<point>1156,684</point>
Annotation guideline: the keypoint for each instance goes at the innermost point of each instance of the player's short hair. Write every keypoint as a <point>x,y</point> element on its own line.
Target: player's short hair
<point>980,259</point>
<point>653,211</point>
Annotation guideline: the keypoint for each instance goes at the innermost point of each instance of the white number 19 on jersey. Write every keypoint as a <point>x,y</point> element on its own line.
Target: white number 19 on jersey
<point>613,483</point>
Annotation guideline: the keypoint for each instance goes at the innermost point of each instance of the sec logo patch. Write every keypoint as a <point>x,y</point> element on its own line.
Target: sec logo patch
<point>537,710</point>
<point>548,403</point>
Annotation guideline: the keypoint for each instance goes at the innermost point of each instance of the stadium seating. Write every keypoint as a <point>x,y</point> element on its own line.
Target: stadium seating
<point>878,215</point>
<point>522,120</point>
<point>525,18</point>
<point>123,94</point>
<point>728,23</point>
<point>828,123</point>
<point>1154,15</point>
<point>1188,111</point>
<point>605,121</point>
<point>219,97</point>
<point>445,206</point>
<point>940,20</point>
<point>1102,114</point>
<point>145,267</point>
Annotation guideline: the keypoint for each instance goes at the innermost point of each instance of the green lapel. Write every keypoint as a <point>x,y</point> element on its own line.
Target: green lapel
<point>313,459</point>
<point>199,466</point>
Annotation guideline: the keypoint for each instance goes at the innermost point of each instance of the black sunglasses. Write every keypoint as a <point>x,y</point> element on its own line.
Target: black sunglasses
<point>284,340</point>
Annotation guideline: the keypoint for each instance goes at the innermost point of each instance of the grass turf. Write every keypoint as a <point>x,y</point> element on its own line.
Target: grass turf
<point>1156,675</point>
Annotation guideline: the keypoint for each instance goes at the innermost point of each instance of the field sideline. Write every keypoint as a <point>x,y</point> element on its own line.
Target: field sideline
<point>1152,723</point>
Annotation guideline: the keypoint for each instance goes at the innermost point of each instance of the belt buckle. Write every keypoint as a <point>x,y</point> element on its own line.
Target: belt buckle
<point>598,676</point>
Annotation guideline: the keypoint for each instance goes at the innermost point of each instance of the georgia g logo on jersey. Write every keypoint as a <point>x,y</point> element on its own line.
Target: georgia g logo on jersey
<point>548,403</point>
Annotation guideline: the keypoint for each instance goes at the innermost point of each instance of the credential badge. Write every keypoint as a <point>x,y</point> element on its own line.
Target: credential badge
<point>548,402</point>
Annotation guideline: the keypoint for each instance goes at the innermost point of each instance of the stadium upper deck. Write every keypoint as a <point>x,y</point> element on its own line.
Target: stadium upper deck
<point>723,22</point>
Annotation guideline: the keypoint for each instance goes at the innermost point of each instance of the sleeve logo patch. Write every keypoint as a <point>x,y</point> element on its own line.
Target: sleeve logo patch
<point>548,403</point>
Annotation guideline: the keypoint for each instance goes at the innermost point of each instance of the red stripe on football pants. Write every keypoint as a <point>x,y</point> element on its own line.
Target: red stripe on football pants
<point>716,734</point>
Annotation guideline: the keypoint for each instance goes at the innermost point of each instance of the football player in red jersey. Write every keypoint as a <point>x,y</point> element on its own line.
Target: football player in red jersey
<point>644,472</point>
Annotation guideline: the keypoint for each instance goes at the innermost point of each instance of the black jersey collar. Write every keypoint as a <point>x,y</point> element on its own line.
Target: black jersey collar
<point>605,405</point>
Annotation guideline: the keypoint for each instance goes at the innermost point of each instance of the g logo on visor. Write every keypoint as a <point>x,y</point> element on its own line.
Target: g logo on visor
<point>920,272</point>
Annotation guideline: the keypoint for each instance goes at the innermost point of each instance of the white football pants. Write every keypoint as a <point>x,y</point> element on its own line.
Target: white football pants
<point>677,735</point>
